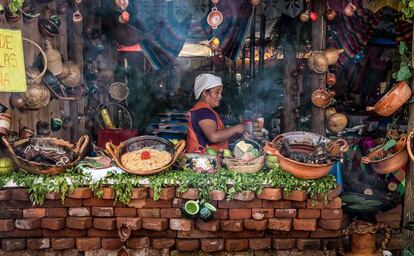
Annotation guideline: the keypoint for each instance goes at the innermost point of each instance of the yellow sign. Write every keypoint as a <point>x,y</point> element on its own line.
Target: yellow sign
<point>12,70</point>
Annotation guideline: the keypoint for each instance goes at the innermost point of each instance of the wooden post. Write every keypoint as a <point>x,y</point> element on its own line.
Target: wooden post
<point>408,214</point>
<point>289,88</point>
<point>318,80</point>
<point>252,44</point>
<point>243,63</point>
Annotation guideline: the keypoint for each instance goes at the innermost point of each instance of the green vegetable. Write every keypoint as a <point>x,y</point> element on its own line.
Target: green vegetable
<point>227,153</point>
<point>211,151</point>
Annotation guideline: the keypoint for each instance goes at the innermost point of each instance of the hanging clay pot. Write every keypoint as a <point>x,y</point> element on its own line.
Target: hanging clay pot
<point>304,16</point>
<point>255,2</point>
<point>392,100</point>
<point>13,17</point>
<point>320,64</point>
<point>73,77</point>
<point>214,18</point>
<point>330,14</point>
<point>337,122</point>
<point>33,73</point>
<point>330,79</point>
<point>313,16</point>
<point>350,9</point>
<point>332,55</point>
<point>16,101</point>
<point>54,59</point>
<point>321,98</point>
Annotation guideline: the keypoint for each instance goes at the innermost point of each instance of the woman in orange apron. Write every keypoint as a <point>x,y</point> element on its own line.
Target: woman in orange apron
<point>205,127</point>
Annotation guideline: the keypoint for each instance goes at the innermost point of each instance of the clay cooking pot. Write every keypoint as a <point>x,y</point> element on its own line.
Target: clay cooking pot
<point>392,100</point>
<point>321,98</point>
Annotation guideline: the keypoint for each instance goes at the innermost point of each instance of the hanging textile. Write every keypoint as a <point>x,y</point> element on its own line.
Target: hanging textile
<point>232,32</point>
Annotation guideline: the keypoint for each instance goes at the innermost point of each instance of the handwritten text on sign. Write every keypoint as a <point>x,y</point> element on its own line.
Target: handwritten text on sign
<point>12,70</point>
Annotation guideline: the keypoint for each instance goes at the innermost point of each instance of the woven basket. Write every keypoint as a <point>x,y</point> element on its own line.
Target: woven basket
<point>40,168</point>
<point>253,166</point>
<point>137,143</point>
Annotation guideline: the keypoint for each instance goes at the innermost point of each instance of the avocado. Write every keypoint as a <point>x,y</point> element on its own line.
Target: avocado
<point>211,151</point>
<point>271,159</point>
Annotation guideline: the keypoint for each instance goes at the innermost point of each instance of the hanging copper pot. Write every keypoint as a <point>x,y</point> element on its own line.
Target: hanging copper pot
<point>332,55</point>
<point>350,9</point>
<point>330,14</point>
<point>330,79</point>
<point>337,122</point>
<point>321,98</point>
<point>392,100</point>
<point>214,18</point>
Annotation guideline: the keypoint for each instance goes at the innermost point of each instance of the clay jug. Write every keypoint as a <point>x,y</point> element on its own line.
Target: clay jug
<point>350,9</point>
<point>332,55</point>
<point>362,236</point>
<point>54,59</point>
<point>330,79</point>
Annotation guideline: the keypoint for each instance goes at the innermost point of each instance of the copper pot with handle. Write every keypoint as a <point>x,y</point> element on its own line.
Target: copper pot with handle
<point>392,100</point>
<point>383,164</point>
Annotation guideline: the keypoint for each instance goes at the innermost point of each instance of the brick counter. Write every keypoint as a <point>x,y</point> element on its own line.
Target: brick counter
<point>86,223</point>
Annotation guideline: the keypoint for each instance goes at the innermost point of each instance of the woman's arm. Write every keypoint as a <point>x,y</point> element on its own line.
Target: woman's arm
<point>209,128</point>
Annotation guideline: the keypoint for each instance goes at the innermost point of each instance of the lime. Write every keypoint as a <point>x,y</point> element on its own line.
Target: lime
<point>210,207</point>
<point>6,166</point>
<point>211,151</point>
<point>191,207</point>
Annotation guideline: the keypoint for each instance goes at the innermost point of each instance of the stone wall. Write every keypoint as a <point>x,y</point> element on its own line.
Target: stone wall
<point>86,223</point>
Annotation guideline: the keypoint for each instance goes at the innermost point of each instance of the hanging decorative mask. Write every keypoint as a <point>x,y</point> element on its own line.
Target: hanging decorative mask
<point>214,18</point>
<point>123,5</point>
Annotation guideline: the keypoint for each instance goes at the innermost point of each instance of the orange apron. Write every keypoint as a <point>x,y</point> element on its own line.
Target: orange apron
<point>192,144</point>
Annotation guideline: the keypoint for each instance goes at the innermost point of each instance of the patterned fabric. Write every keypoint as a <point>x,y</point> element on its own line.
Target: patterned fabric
<point>236,23</point>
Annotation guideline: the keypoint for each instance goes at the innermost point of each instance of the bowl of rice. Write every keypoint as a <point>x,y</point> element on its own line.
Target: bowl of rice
<point>145,155</point>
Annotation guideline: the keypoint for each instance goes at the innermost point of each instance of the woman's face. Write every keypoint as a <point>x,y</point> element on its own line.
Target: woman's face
<point>213,96</point>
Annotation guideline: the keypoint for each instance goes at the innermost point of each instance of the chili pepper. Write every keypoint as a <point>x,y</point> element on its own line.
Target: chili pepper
<point>145,155</point>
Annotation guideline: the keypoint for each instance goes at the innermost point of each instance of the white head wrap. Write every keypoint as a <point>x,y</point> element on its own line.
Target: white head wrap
<point>205,82</point>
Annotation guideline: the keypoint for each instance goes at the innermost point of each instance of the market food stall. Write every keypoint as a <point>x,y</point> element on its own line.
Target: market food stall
<point>96,104</point>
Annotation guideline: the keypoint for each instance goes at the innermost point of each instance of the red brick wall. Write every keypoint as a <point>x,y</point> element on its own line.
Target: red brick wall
<point>267,221</point>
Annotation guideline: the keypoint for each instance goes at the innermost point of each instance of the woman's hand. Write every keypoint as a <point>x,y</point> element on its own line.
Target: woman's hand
<point>239,128</point>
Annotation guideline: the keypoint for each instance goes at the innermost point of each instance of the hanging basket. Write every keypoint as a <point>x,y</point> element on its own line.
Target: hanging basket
<point>33,78</point>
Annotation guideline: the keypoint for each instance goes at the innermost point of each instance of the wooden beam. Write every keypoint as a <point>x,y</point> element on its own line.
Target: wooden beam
<point>289,88</point>
<point>318,80</point>
<point>408,213</point>
<point>262,43</point>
